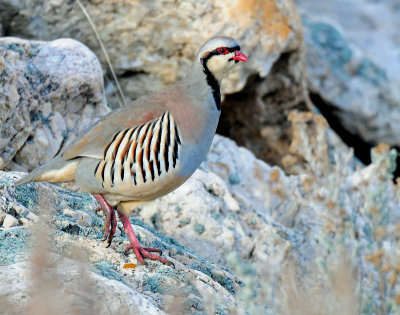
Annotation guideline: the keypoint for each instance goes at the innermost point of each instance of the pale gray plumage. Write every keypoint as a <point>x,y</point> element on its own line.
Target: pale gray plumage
<point>149,148</point>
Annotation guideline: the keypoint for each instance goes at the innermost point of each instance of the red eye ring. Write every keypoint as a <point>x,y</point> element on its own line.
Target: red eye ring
<point>222,50</point>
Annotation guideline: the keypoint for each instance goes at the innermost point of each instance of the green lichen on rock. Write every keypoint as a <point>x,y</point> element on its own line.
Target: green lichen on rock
<point>184,222</point>
<point>173,274</point>
<point>330,42</point>
<point>13,244</point>
<point>371,72</point>
<point>156,220</point>
<point>234,179</point>
<point>106,269</point>
<point>199,228</point>
<point>26,194</point>
<point>165,239</point>
<point>206,268</point>
<point>14,47</point>
<point>155,284</point>
<point>194,303</point>
<point>221,309</point>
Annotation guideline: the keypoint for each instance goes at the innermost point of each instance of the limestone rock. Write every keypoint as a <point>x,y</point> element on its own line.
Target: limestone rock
<point>9,221</point>
<point>155,47</point>
<point>334,209</point>
<point>352,88</point>
<point>155,287</point>
<point>2,217</point>
<point>370,25</point>
<point>93,293</point>
<point>82,218</point>
<point>49,92</point>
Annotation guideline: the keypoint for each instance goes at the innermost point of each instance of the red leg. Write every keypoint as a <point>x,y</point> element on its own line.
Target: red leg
<point>110,224</point>
<point>140,252</point>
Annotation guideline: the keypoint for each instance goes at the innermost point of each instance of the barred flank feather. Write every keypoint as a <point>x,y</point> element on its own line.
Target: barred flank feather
<point>145,152</point>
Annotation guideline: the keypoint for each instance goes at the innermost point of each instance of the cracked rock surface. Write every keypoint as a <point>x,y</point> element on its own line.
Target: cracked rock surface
<point>50,91</point>
<point>237,224</point>
<point>358,93</point>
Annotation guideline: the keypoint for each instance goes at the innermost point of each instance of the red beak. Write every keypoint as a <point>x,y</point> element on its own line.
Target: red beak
<point>239,56</point>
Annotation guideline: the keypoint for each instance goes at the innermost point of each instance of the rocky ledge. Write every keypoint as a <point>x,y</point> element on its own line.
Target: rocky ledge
<point>242,235</point>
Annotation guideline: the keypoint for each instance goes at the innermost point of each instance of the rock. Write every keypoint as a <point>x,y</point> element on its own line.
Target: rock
<point>370,25</point>
<point>19,210</point>
<point>95,293</point>
<point>334,217</point>
<point>355,93</point>
<point>32,217</point>
<point>82,218</point>
<point>9,221</point>
<point>45,91</point>
<point>149,54</point>
<point>2,217</point>
<point>26,222</point>
<point>156,287</point>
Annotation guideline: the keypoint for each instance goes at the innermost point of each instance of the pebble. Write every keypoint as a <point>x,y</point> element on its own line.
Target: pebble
<point>82,218</point>
<point>32,217</point>
<point>26,222</point>
<point>2,216</point>
<point>21,210</point>
<point>9,221</point>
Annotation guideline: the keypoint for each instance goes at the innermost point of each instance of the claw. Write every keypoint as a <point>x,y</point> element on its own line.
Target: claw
<point>140,252</point>
<point>151,249</point>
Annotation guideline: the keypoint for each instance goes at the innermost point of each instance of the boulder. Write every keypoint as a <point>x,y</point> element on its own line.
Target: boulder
<point>371,26</point>
<point>89,291</point>
<point>49,92</point>
<point>358,97</point>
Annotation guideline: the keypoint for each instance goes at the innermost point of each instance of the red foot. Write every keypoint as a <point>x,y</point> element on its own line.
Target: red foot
<point>110,224</point>
<point>140,252</point>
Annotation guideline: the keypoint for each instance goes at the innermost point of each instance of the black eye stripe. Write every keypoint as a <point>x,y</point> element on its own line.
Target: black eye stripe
<point>215,52</point>
<point>230,49</point>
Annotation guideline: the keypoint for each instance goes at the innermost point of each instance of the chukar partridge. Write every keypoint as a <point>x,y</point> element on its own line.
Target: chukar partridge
<point>149,148</point>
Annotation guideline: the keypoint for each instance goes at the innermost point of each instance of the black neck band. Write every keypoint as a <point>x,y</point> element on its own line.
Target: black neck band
<point>211,81</point>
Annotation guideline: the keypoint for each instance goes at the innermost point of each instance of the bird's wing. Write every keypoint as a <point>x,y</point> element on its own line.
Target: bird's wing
<point>93,142</point>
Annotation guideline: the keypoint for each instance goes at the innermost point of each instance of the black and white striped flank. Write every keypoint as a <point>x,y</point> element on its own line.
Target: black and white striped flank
<point>143,153</point>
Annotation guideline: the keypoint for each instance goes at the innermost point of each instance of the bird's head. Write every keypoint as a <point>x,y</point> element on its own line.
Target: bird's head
<point>219,54</point>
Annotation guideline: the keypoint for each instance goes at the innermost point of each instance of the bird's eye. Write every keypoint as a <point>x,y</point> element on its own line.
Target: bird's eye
<point>222,50</point>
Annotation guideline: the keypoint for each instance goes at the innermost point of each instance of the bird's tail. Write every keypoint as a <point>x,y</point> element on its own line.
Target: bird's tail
<point>56,171</point>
